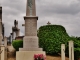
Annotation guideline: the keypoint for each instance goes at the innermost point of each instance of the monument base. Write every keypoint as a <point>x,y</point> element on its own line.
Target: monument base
<point>30,49</point>
<point>27,55</point>
<point>30,41</point>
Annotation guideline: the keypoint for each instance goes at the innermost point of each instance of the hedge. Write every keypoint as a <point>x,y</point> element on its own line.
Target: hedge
<point>51,37</point>
<point>17,44</point>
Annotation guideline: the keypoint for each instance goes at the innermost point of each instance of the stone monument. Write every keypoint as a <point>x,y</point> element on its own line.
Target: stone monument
<point>15,29</point>
<point>0,24</point>
<point>30,40</point>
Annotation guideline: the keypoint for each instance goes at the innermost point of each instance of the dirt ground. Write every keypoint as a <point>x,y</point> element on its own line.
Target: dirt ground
<point>54,58</point>
<point>47,58</point>
<point>11,55</point>
<point>11,59</point>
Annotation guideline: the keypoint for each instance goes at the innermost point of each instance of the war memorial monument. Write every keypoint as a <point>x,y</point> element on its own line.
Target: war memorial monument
<point>30,40</point>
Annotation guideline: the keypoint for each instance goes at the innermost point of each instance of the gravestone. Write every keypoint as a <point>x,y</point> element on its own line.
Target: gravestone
<point>62,51</point>
<point>30,40</point>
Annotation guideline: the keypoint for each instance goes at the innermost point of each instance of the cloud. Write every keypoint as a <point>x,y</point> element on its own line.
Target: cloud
<point>50,9</point>
<point>61,12</point>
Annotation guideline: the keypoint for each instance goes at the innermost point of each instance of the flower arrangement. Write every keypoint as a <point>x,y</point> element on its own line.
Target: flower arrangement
<point>39,57</point>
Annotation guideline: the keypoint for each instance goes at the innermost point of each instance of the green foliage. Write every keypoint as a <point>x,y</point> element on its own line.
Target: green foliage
<point>51,37</point>
<point>17,44</point>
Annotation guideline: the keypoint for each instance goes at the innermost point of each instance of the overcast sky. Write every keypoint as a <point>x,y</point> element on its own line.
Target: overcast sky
<point>60,12</point>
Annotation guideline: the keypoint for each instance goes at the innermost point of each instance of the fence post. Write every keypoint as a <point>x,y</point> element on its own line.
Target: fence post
<point>71,50</point>
<point>62,51</point>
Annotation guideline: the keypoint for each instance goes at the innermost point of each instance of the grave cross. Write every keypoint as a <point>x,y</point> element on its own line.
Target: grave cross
<point>48,23</point>
<point>15,23</point>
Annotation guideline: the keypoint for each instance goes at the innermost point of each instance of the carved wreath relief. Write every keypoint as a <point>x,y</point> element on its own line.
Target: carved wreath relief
<point>30,6</point>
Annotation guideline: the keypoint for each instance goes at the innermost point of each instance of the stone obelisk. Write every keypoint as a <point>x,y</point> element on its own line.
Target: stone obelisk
<point>30,40</point>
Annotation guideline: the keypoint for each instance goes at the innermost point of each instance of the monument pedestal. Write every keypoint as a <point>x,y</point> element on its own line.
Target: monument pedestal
<point>27,55</point>
<point>30,41</point>
<point>30,49</point>
<point>30,44</point>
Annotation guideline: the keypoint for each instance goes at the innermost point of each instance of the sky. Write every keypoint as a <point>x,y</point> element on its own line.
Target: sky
<point>59,12</point>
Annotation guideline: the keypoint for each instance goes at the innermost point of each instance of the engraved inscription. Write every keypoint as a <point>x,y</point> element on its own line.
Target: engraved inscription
<point>31,42</point>
<point>30,6</point>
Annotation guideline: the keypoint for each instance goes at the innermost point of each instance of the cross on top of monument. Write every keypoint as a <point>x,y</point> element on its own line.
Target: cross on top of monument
<point>48,23</point>
<point>15,23</point>
<point>15,27</point>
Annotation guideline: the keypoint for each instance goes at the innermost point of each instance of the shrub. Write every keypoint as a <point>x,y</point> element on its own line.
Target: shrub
<point>51,37</point>
<point>17,44</point>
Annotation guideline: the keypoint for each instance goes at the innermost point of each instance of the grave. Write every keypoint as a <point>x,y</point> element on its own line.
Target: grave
<point>15,29</point>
